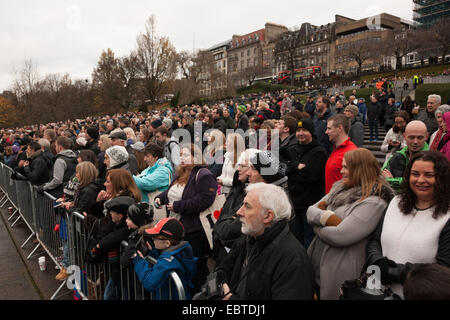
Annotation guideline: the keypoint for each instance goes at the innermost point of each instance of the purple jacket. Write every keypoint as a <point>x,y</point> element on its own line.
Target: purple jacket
<point>197,196</point>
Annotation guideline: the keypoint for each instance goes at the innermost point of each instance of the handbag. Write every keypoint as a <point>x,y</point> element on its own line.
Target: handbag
<point>90,245</point>
<point>356,289</point>
<point>160,213</point>
<point>209,216</point>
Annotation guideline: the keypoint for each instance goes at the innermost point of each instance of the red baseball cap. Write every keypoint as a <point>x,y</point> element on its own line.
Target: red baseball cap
<point>170,228</point>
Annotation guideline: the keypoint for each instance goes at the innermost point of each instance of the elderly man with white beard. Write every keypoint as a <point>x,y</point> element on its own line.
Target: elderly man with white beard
<point>267,262</point>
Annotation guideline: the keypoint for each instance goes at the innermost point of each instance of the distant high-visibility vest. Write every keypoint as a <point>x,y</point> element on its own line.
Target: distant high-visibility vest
<point>416,79</point>
<point>379,84</point>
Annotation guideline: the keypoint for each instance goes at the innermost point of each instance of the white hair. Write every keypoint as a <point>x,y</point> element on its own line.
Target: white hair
<point>247,155</point>
<point>272,197</point>
<point>442,109</point>
<point>435,97</point>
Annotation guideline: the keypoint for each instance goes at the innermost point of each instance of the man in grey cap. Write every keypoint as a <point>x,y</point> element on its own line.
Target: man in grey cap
<point>356,132</point>
<point>119,138</point>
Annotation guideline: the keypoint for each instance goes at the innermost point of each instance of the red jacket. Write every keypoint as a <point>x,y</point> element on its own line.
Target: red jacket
<point>334,164</point>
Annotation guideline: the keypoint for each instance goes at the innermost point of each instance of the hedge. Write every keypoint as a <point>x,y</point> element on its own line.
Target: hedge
<point>263,87</point>
<point>360,93</point>
<point>424,90</point>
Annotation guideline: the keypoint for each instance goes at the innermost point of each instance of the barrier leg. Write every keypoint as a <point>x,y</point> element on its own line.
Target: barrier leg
<point>18,218</point>
<point>13,214</point>
<point>58,290</point>
<point>28,239</point>
<point>32,252</point>
<point>4,199</point>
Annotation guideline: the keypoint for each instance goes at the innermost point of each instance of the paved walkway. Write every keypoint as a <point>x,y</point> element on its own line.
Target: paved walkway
<point>15,281</point>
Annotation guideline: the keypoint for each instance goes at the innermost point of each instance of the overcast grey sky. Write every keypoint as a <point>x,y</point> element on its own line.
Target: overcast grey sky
<point>69,36</point>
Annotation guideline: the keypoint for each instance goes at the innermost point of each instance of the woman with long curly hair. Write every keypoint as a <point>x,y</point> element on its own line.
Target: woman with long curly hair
<point>416,227</point>
<point>344,219</point>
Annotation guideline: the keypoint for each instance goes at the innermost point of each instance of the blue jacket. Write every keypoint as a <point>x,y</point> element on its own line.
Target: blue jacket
<point>154,178</point>
<point>179,258</point>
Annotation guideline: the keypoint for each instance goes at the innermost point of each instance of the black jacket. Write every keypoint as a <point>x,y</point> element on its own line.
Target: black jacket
<point>220,124</point>
<point>307,186</point>
<point>38,172</point>
<point>228,227</point>
<point>85,199</point>
<point>320,127</point>
<point>93,145</point>
<point>286,145</point>
<point>374,111</point>
<point>274,266</point>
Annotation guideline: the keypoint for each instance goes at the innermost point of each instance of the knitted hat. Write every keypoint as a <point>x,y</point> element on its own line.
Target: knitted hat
<point>119,205</point>
<point>167,122</point>
<point>170,228</point>
<point>117,155</point>
<point>307,124</point>
<point>156,124</point>
<point>352,109</point>
<point>92,132</point>
<point>141,213</point>
<point>242,108</point>
<point>138,146</point>
<point>268,166</point>
<point>81,141</point>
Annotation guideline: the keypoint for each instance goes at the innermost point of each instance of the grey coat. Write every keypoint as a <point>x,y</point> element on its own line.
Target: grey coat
<point>338,253</point>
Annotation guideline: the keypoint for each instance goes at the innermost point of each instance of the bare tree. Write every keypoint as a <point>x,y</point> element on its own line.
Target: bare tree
<point>440,36</point>
<point>399,43</point>
<point>286,50</point>
<point>361,51</point>
<point>156,61</point>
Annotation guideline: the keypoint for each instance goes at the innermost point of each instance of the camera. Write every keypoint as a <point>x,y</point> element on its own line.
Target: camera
<point>212,289</point>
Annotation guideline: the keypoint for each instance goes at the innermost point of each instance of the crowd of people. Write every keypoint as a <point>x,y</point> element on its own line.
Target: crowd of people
<point>276,199</point>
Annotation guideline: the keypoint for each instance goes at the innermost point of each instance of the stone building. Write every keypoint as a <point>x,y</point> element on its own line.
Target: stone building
<point>251,55</point>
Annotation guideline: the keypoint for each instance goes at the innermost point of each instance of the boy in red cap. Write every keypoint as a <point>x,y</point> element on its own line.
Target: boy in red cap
<point>172,254</point>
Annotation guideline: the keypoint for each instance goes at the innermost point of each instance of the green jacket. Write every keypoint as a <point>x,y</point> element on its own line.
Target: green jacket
<point>397,164</point>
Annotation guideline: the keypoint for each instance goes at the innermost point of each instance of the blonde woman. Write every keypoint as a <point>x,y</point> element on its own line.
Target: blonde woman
<point>214,153</point>
<point>104,142</point>
<point>234,147</point>
<point>86,194</point>
<point>131,136</point>
<point>344,219</point>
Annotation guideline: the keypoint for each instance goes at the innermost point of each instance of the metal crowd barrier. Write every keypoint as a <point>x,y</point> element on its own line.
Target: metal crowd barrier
<point>38,213</point>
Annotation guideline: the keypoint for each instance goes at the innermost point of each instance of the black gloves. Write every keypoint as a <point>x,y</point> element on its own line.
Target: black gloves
<point>40,189</point>
<point>384,264</point>
<point>14,175</point>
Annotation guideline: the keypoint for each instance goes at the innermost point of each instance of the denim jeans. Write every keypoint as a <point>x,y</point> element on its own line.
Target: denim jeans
<point>66,260</point>
<point>373,125</point>
<point>111,291</point>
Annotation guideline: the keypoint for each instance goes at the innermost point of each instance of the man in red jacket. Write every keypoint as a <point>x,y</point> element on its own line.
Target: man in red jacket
<point>337,131</point>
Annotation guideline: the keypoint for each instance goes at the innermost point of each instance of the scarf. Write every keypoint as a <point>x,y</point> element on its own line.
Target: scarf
<point>437,139</point>
<point>341,195</point>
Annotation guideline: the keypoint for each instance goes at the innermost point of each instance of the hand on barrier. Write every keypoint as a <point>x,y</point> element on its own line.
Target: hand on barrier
<point>14,175</point>
<point>40,189</point>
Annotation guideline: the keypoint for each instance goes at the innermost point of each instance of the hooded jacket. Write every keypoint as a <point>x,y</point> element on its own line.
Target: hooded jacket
<point>179,259</point>
<point>397,165</point>
<point>63,169</point>
<point>157,177</point>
